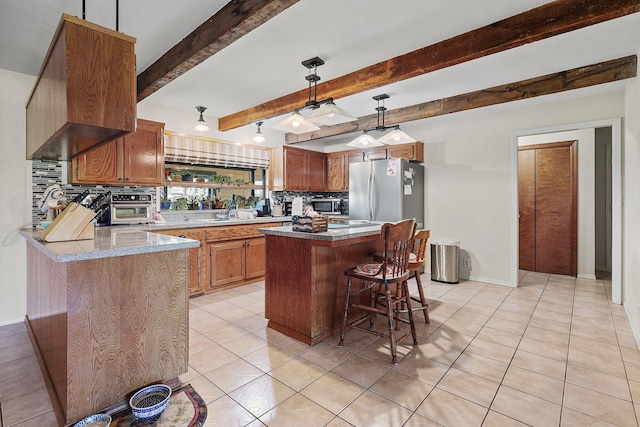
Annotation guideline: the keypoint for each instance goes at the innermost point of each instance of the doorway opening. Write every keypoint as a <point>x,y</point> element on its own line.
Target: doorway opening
<point>599,198</point>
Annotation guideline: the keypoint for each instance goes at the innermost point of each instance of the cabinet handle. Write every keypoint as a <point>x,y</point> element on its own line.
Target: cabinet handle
<point>120,179</point>
<point>126,179</point>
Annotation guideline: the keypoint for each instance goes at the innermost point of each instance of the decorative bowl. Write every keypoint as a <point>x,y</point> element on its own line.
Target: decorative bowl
<point>150,401</point>
<point>97,420</point>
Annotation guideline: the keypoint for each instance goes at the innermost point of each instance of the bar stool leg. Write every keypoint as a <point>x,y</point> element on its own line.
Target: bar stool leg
<point>346,312</point>
<point>405,287</point>
<point>390,318</point>
<point>423,300</point>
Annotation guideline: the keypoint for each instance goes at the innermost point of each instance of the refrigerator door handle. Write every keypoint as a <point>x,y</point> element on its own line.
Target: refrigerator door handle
<point>372,199</point>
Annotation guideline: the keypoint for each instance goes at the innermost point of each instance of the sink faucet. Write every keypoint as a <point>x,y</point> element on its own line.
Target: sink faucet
<point>232,206</point>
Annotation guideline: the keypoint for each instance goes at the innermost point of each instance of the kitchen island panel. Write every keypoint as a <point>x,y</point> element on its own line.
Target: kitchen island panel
<point>305,286</point>
<point>113,325</point>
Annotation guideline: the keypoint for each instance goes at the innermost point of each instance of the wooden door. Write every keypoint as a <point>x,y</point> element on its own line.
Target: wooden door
<point>526,209</point>
<point>555,208</point>
<point>256,258</point>
<point>227,262</point>
<point>144,154</point>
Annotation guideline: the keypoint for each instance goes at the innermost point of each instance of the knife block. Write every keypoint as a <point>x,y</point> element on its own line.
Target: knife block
<point>73,223</point>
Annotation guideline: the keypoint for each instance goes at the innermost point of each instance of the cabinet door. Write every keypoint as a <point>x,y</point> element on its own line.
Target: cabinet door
<point>255,258</point>
<point>227,262</point>
<point>295,170</point>
<point>413,151</point>
<point>144,155</point>
<point>351,158</point>
<point>376,153</point>
<point>102,165</point>
<point>316,170</point>
<point>336,164</point>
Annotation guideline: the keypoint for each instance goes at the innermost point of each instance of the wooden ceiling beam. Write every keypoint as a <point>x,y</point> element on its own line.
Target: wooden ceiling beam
<point>234,20</point>
<point>590,75</point>
<point>545,21</point>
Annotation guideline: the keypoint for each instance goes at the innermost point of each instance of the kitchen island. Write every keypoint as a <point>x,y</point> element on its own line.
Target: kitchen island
<point>107,316</point>
<point>305,287</point>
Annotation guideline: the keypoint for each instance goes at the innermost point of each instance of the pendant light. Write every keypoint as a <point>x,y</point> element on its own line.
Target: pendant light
<point>258,137</point>
<point>295,123</point>
<point>365,141</point>
<point>201,125</point>
<point>396,136</point>
<point>325,113</point>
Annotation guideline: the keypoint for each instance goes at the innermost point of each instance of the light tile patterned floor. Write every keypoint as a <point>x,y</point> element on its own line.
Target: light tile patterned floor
<point>552,352</point>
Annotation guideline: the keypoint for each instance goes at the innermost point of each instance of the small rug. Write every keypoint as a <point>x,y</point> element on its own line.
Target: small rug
<point>184,409</point>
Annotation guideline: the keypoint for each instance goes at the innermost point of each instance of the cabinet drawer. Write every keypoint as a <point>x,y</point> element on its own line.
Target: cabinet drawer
<point>233,232</point>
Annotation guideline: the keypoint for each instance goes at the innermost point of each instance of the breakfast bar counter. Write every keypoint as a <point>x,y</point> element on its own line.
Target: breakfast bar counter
<point>107,316</point>
<point>305,286</point>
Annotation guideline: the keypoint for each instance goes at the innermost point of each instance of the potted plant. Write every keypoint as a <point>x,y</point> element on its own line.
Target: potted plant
<point>165,203</point>
<point>219,204</point>
<point>181,204</point>
<point>186,176</point>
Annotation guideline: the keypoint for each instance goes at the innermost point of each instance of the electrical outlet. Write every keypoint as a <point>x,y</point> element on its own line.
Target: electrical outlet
<point>466,262</point>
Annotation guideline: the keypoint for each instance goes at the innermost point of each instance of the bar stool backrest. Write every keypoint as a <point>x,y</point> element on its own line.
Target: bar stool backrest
<point>398,238</point>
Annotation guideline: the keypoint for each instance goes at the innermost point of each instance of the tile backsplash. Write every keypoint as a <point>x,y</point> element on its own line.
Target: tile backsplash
<point>49,172</point>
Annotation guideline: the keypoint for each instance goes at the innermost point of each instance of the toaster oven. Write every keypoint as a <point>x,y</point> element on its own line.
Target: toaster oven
<point>131,209</point>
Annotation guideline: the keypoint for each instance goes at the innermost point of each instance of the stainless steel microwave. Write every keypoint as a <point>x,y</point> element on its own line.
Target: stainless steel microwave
<point>327,205</point>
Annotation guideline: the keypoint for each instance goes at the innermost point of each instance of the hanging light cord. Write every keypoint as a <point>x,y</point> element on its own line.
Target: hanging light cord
<point>84,14</point>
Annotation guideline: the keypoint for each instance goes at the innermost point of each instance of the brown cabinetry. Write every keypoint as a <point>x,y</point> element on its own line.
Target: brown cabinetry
<point>85,93</point>
<point>136,159</point>
<point>236,261</point>
<point>338,169</point>
<point>228,256</point>
<point>297,169</point>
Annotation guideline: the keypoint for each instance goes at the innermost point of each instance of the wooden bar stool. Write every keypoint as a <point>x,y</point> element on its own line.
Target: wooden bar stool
<point>416,261</point>
<point>378,279</point>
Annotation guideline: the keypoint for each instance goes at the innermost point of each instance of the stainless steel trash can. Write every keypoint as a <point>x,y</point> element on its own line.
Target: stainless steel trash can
<point>445,258</point>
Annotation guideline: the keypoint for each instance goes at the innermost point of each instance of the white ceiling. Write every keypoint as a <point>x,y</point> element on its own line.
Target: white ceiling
<point>347,34</point>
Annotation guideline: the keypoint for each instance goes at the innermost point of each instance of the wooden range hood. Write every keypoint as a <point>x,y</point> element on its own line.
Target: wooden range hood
<point>85,93</point>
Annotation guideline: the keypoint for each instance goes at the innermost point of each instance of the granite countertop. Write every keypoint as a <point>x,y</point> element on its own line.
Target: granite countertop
<point>344,231</point>
<point>108,242</point>
<point>131,239</point>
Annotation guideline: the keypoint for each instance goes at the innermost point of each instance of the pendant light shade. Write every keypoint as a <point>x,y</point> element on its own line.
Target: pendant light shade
<point>365,141</point>
<point>330,114</point>
<point>258,137</point>
<point>295,123</point>
<point>396,136</point>
<point>201,125</point>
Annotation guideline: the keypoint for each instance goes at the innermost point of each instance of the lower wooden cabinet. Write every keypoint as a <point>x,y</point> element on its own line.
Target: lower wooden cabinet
<point>228,256</point>
<point>236,261</point>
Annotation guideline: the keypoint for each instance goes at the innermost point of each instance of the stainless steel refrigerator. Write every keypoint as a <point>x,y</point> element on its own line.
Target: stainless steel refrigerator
<point>386,190</point>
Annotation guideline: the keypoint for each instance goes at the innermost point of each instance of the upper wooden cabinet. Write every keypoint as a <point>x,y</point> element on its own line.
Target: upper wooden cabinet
<point>136,159</point>
<point>297,169</point>
<point>304,170</point>
<point>85,92</point>
<point>338,169</point>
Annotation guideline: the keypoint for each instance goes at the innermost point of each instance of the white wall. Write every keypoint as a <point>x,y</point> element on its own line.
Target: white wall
<point>586,192</point>
<point>15,195</point>
<point>631,206</point>
<point>471,180</point>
